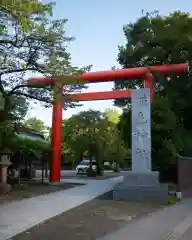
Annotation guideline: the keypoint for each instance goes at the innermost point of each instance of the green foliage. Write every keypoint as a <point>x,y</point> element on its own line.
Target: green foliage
<point>91,133</point>
<point>154,40</point>
<point>33,43</point>
<point>112,115</point>
<point>81,131</point>
<point>38,126</point>
<point>21,10</point>
<point>166,130</point>
<point>18,108</point>
<point>166,139</point>
<point>125,127</point>
<point>15,110</point>
<point>172,200</point>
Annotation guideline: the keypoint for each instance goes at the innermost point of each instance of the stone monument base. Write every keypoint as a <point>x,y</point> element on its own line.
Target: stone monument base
<point>141,187</point>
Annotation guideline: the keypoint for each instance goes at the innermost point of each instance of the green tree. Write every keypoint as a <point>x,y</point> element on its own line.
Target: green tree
<point>32,43</point>
<point>36,125</point>
<point>75,140</point>
<point>166,139</point>
<point>17,112</point>
<point>153,40</point>
<point>166,130</point>
<point>112,115</point>
<point>92,133</point>
<point>19,11</point>
<point>125,127</point>
<point>80,132</point>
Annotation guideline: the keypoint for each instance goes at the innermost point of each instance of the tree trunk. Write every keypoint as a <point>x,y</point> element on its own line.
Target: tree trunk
<point>90,172</point>
<point>98,158</point>
<point>46,169</point>
<point>19,169</point>
<point>90,152</point>
<point>4,129</point>
<point>42,169</point>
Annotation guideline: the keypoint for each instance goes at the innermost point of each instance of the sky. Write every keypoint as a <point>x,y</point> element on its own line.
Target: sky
<point>98,29</point>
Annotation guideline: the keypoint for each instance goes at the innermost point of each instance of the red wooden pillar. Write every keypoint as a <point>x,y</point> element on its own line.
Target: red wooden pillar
<point>55,167</point>
<point>150,83</point>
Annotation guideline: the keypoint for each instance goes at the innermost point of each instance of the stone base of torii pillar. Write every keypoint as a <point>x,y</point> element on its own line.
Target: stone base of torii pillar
<point>141,187</point>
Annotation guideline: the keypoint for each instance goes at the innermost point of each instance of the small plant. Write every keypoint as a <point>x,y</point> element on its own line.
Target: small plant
<point>172,200</point>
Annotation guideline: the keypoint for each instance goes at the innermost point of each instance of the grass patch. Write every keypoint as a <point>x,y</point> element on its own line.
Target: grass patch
<point>172,200</point>
<point>21,194</point>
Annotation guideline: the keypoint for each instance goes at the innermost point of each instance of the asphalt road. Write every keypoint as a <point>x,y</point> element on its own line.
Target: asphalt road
<point>64,173</point>
<point>67,173</point>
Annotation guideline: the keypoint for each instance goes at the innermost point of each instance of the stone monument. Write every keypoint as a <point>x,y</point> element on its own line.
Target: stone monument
<point>141,184</point>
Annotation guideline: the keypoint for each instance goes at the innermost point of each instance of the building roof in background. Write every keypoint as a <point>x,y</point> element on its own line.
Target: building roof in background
<point>29,134</point>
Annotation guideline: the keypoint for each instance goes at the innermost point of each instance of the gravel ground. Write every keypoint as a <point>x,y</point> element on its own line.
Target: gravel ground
<point>88,221</point>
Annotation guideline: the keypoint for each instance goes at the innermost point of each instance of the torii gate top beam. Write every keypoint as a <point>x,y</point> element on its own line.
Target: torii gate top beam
<point>107,76</point>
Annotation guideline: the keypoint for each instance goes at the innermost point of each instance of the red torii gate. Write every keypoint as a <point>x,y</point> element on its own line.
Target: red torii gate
<point>96,77</point>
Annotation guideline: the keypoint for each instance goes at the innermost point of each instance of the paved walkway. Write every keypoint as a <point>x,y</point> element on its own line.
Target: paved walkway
<point>187,235</point>
<point>170,223</point>
<point>18,216</point>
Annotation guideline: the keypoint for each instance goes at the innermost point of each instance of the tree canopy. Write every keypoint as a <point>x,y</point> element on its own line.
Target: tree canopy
<point>93,134</point>
<point>112,115</point>
<point>154,40</point>
<point>37,125</point>
<point>33,43</point>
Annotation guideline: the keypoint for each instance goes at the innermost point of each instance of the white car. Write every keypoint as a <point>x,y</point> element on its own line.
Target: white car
<point>84,166</point>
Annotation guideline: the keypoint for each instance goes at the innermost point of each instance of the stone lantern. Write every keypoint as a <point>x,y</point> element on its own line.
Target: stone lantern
<point>5,162</point>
